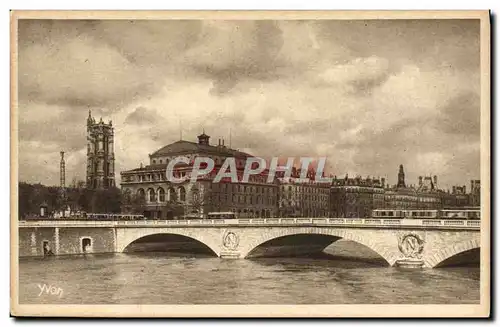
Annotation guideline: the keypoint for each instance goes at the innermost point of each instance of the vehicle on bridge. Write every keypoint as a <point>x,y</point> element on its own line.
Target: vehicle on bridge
<point>465,213</point>
<point>461,214</point>
<point>388,213</point>
<point>421,214</point>
<point>221,215</point>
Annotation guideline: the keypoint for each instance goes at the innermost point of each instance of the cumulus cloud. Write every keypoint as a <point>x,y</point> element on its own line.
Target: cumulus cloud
<point>369,95</point>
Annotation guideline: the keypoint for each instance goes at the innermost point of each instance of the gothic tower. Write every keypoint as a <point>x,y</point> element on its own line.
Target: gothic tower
<point>401,177</point>
<point>100,154</point>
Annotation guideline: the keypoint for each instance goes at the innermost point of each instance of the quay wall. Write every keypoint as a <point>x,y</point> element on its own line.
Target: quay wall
<point>65,241</point>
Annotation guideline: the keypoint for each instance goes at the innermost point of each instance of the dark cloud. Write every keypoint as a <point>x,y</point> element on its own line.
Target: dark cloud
<point>96,63</point>
<point>150,42</point>
<point>461,115</point>
<point>428,42</point>
<point>249,50</point>
<point>66,129</point>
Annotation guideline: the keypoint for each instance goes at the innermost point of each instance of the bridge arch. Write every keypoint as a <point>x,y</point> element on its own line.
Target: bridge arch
<point>450,251</point>
<point>360,238</point>
<point>129,236</point>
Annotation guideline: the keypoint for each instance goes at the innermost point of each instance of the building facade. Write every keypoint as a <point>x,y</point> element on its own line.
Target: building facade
<point>100,154</point>
<point>355,197</point>
<point>303,198</point>
<point>425,195</point>
<point>475,193</point>
<point>147,190</point>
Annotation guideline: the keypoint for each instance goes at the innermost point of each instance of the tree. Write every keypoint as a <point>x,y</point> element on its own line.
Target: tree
<point>32,196</point>
<point>135,204</point>
<point>174,209</point>
<point>106,200</point>
<point>198,200</point>
<point>84,199</point>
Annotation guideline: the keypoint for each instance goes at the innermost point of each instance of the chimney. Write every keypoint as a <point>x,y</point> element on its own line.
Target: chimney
<point>435,180</point>
<point>419,180</point>
<point>383,182</point>
<point>222,142</point>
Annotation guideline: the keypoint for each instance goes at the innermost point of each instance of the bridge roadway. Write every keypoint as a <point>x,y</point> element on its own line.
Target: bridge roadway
<point>420,242</point>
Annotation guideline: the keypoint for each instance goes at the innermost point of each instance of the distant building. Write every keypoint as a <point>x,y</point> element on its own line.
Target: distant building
<point>475,193</point>
<point>427,195</point>
<point>356,197</point>
<point>401,178</point>
<point>303,198</point>
<point>100,154</point>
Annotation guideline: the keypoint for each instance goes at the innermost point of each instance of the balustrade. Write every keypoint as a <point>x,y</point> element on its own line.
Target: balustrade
<point>475,224</point>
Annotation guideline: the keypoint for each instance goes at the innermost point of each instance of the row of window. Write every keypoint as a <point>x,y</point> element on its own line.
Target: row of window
<point>243,199</point>
<point>161,196</point>
<point>307,197</point>
<point>289,203</point>
<point>304,189</point>
<point>231,187</point>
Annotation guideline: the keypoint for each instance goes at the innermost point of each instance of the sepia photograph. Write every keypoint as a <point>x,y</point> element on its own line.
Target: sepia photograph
<point>250,164</point>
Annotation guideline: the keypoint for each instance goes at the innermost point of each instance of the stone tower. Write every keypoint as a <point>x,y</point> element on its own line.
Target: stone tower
<point>401,177</point>
<point>100,154</point>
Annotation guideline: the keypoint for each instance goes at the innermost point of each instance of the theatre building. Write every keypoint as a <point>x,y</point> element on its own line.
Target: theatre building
<point>147,191</point>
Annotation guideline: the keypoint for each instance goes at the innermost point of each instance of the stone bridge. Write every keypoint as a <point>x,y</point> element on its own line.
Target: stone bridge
<point>427,243</point>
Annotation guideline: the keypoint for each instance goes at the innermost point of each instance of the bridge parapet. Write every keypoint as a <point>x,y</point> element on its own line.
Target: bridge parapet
<point>416,241</point>
<point>270,222</point>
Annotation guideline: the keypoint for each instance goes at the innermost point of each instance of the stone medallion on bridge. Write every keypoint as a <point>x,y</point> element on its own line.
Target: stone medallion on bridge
<point>411,245</point>
<point>230,240</point>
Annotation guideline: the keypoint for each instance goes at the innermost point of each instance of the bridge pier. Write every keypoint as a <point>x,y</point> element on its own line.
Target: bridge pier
<point>230,255</point>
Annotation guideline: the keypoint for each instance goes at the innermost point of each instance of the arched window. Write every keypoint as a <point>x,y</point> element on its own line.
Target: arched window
<point>171,194</point>
<point>151,195</point>
<point>141,194</point>
<point>161,194</point>
<point>126,195</point>
<point>182,194</point>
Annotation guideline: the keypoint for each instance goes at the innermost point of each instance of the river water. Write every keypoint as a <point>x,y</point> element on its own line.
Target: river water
<point>161,278</point>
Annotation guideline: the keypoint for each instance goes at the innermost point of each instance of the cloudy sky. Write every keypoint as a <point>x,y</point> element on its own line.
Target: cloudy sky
<point>369,95</point>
